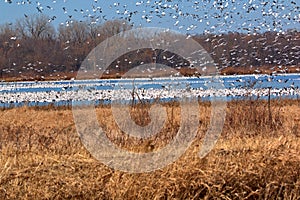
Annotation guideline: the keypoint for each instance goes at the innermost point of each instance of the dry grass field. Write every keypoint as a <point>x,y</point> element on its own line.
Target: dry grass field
<point>256,157</point>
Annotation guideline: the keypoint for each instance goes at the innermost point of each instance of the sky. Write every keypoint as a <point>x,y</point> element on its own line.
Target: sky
<point>185,16</point>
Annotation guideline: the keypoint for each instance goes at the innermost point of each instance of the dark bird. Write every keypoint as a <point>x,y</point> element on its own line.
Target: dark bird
<point>39,10</point>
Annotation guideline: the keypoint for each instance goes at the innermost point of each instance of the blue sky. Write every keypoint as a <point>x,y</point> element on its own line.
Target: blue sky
<point>186,16</point>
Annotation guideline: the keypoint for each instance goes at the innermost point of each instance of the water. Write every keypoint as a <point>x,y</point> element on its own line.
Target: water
<point>79,92</point>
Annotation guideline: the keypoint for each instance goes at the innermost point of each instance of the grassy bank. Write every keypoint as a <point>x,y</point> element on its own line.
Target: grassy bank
<point>257,156</point>
<point>246,70</point>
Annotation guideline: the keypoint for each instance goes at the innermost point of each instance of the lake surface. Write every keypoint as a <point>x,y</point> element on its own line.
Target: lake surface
<point>104,91</point>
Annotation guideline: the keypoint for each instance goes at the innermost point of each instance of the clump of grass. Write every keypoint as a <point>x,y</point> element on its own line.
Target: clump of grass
<point>254,116</point>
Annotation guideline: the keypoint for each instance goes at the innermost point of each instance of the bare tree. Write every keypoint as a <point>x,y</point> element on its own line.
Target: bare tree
<point>75,31</point>
<point>36,27</point>
<point>7,43</point>
<point>114,27</point>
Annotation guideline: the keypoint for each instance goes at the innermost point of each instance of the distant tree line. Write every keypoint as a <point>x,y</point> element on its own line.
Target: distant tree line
<point>32,48</point>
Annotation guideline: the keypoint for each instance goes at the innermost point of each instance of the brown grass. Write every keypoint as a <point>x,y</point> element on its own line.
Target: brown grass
<point>255,158</point>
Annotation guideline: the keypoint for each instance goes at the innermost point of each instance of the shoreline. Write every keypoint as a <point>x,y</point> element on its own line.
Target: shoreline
<point>228,71</point>
<point>148,78</point>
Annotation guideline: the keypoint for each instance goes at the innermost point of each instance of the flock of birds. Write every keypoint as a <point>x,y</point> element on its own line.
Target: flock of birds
<point>81,92</point>
<point>251,15</point>
<point>188,15</point>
